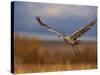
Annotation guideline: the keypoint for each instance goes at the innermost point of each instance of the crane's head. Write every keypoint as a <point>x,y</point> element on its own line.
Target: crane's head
<point>60,36</point>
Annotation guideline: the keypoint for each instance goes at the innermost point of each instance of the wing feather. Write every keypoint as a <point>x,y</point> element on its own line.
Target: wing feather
<point>80,32</point>
<point>47,27</point>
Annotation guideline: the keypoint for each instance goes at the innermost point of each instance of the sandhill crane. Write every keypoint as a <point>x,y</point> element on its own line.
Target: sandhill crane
<point>69,39</point>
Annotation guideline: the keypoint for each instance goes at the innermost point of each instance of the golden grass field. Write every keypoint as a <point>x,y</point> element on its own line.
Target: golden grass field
<point>35,55</point>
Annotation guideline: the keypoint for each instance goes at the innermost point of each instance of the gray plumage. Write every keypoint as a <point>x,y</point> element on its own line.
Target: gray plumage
<point>69,39</point>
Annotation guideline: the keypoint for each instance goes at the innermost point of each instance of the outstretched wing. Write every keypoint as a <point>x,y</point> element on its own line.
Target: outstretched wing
<point>80,32</point>
<point>48,28</point>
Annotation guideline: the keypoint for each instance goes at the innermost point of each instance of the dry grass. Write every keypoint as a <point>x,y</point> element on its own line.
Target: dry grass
<point>33,55</point>
<point>29,68</point>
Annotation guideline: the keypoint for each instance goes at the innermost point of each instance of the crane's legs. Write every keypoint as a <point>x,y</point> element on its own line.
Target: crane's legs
<point>76,50</point>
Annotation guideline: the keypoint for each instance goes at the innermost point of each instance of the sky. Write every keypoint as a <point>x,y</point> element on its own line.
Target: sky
<point>64,18</point>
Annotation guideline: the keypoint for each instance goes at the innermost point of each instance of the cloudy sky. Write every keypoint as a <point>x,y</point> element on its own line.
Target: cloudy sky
<point>61,17</point>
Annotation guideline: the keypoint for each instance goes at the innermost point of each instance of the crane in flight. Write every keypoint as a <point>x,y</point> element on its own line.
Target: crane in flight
<point>69,39</point>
